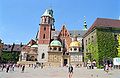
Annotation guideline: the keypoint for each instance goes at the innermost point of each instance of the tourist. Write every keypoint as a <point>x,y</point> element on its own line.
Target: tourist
<point>107,68</point>
<point>23,68</point>
<point>3,66</point>
<point>13,67</point>
<point>7,69</point>
<point>70,71</point>
<point>35,66</point>
<point>41,65</point>
<point>110,66</point>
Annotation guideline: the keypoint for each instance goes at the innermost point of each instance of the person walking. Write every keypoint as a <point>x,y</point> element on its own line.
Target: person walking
<point>3,66</point>
<point>13,67</point>
<point>42,65</point>
<point>107,68</point>
<point>23,68</point>
<point>7,69</point>
<point>70,71</point>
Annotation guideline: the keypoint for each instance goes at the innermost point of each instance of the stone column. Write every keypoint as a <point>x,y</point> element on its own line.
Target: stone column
<point>77,49</point>
<point>57,48</point>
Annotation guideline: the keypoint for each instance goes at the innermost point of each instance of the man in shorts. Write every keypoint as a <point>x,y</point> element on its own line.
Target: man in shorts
<point>70,70</point>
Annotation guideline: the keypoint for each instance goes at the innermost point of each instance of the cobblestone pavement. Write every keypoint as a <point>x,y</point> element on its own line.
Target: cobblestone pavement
<point>60,73</point>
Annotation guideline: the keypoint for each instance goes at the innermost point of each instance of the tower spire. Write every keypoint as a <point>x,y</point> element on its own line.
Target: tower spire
<point>85,25</point>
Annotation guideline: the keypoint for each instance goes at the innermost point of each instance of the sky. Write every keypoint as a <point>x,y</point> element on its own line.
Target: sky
<point>20,19</point>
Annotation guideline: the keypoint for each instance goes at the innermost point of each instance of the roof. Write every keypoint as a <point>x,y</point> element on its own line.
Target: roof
<point>34,46</point>
<point>79,33</point>
<point>55,43</point>
<point>75,44</point>
<point>31,42</point>
<point>13,47</point>
<point>48,12</point>
<point>104,22</point>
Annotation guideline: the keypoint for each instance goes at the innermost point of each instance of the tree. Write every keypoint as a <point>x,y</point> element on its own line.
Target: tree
<point>9,56</point>
<point>6,56</point>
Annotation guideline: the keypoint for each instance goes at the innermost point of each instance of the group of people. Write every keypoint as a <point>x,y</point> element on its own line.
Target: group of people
<point>11,67</point>
<point>91,65</point>
<point>7,67</point>
<point>107,67</point>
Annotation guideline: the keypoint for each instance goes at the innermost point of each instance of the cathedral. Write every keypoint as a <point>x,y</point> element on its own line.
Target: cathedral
<point>54,48</point>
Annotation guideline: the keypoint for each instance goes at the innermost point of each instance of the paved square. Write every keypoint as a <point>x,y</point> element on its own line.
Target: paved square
<point>60,73</point>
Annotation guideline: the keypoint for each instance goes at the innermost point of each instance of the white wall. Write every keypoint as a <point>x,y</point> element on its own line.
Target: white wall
<point>42,48</point>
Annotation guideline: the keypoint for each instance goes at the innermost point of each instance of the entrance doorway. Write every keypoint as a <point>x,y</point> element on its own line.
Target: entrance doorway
<point>65,62</point>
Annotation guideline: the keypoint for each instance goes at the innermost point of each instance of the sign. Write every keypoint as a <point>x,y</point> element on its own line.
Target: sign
<point>116,61</point>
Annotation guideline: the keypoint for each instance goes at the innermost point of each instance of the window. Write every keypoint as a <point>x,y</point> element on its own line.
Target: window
<point>55,48</point>
<point>79,49</point>
<point>86,42</point>
<point>92,36</point>
<point>75,49</point>
<point>48,20</point>
<point>71,49</point>
<point>88,38</point>
<point>44,36</point>
<point>45,20</point>
<point>50,48</point>
<point>43,55</point>
<point>60,49</point>
<point>44,28</point>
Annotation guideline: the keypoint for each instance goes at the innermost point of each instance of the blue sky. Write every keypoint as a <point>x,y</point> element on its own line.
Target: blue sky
<point>19,19</point>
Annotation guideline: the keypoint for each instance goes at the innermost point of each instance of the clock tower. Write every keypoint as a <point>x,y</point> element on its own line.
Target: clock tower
<point>44,36</point>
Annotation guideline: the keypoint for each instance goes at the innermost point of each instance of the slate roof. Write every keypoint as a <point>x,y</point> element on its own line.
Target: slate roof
<point>79,33</point>
<point>13,47</point>
<point>104,22</point>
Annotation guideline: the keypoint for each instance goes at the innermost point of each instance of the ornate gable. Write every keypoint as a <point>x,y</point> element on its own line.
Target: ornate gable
<point>64,35</point>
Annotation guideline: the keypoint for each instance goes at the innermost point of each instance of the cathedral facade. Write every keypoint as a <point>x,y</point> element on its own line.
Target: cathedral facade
<point>56,48</point>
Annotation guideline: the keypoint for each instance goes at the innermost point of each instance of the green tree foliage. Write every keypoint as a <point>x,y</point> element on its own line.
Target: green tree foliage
<point>6,56</point>
<point>10,56</point>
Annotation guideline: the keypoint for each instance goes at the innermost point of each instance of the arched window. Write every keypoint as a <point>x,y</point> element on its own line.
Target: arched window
<point>44,28</point>
<point>59,48</point>
<point>55,48</point>
<point>44,36</point>
<point>75,49</point>
<point>32,58</point>
<point>70,49</point>
<point>45,20</point>
<point>48,20</point>
<point>43,56</point>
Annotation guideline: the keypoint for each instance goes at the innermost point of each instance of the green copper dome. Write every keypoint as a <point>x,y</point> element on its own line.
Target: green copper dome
<point>55,43</point>
<point>48,12</point>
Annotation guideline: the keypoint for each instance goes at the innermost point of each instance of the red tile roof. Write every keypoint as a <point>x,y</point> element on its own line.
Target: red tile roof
<point>104,22</point>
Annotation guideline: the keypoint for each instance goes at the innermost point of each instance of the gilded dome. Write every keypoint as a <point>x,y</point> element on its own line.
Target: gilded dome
<point>75,44</point>
<point>55,43</point>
